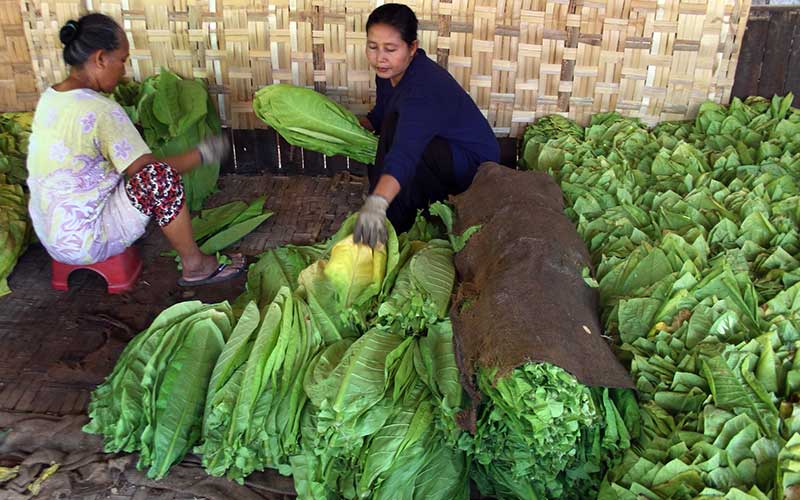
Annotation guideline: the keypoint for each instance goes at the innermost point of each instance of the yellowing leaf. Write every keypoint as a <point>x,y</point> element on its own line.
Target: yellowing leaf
<point>355,270</point>
<point>36,486</point>
<point>8,473</point>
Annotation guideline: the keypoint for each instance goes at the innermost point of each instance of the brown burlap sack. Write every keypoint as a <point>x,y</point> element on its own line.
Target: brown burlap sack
<point>34,442</point>
<point>521,296</point>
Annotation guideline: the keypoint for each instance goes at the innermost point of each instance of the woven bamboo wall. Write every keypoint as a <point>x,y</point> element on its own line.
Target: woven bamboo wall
<point>18,90</point>
<point>519,59</point>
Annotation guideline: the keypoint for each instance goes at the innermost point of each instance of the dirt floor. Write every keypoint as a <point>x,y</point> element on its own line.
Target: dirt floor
<point>57,346</point>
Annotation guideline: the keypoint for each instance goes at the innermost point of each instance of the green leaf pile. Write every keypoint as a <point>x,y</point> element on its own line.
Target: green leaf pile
<point>353,391</point>
<point>370,428</point>
<point>380,401</point>
<point>15,130</point>
<point>252,411</point>
<point>175,114</point>
<point>15,229</point>
<point>312,120</point>
<point>340,370</point>
<point>693,231</point>
<point>309,378</point>
<point>15,225</point>
<point>128,94</point>
<point>153,401</point>
<point>542,434</point>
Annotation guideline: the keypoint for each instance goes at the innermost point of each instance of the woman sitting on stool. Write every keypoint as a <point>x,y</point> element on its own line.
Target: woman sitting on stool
<point>94,183</point>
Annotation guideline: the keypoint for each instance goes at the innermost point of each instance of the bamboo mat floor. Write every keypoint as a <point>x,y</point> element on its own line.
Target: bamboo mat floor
<point>57,346</point>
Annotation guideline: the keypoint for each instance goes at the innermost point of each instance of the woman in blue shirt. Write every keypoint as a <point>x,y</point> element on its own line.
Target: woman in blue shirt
<point>432,135</point>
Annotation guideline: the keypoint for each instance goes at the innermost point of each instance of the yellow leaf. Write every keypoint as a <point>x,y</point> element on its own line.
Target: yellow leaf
<point>354,269</point>
<point>36,486</point>
<point>8,473</point>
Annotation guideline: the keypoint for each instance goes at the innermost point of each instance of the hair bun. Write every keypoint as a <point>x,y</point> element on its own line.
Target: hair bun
<point>69,32</point>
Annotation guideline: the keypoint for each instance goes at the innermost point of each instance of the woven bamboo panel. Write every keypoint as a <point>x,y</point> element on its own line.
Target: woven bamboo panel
<point>18,90</point>
<point>519,59</point>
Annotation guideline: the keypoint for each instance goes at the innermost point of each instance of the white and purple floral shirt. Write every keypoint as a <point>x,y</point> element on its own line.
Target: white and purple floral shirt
<point>80,146</point>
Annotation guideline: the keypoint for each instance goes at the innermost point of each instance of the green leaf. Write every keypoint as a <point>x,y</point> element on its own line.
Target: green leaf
<point>166,105</point>
<point>636,317</point>
<point>439,356</point>
<point>180,404</point>
<point>433,272</point>
<point>444,212</point>
<point>360,375</point>
<point>586,274</point>
<point>319,384</point>
<point>213,220</point>
<point>277,268</point>
<point>407,426</point>
<point>731,392</point>
<point>233,355</point>
<point>442,477</point>
<point>192,103</point>
<point>232,234</point>
<point>255,209</point>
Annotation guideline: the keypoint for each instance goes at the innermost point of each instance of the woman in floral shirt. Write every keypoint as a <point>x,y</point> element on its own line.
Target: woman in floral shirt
<point>94,182</point>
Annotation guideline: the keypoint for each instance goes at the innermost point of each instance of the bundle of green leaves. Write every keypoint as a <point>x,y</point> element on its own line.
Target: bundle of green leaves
<point>15,229</point>
<point>175,114</point>
<point>693,231</point>
<point>307,380</point>
<point>313,121</point>
<point>153,400</point>
<point>420,293</point>
<point>370,430</point>
<point>255,424</point>
<point>15,129</point>
<point>373,426</point>
<point>255,397</point>
<point>542,434</point>
<point>128,94</point>
<point>15,226</point>
<point>536,137</point>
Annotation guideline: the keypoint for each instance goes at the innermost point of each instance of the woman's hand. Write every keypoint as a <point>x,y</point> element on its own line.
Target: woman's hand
<point>371,223</point>
<point>214,149</point>
<point>370,228</point>
<point>364,121</point>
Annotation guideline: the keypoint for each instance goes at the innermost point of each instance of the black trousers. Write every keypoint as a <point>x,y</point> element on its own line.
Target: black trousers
<point>433,180</point>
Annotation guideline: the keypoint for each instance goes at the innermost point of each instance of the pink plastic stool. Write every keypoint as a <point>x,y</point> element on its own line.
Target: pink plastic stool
<point>120,271</point>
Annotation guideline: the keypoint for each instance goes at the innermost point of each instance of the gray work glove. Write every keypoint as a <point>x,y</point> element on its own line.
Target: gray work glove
<point>214,149</point>
<point>371,225</point>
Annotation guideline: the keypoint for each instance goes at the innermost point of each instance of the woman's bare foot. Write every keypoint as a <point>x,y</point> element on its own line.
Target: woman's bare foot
<point>207,267</point>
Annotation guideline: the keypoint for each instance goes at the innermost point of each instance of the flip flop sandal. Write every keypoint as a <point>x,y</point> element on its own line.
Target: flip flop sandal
<point>214,277</point>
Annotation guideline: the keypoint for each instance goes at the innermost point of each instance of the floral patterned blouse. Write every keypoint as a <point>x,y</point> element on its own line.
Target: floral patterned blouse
<point>80,146</point>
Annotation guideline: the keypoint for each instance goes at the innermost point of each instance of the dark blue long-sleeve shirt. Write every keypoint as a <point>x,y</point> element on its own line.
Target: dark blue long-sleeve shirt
<point>431,103</point>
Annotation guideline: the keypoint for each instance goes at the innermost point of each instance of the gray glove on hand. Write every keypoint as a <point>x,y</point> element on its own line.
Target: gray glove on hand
<point>214,149</point>
<point>371,225</point>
